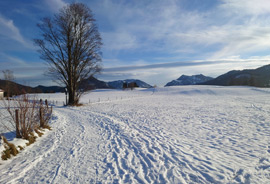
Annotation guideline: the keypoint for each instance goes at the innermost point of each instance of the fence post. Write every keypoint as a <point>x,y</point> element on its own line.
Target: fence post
<point>18,135</point>
<point>41,115</point>
<point>46,102</point>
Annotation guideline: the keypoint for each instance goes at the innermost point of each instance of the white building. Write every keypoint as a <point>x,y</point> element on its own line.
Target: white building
<point>1,94</point>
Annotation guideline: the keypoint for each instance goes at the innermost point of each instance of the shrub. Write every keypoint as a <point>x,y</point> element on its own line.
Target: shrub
<point>31,138</point>
<point>45,113</point>
<point>10,149</point>
<point>38,132</point>
<point>23,114</point>
<point>27,114</point>
<point>47,127</point>
<point>6,154</point>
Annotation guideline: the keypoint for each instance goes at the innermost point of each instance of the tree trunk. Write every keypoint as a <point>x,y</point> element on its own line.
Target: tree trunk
<point>71,97</point>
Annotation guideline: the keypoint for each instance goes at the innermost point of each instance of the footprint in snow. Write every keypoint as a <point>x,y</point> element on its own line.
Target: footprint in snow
<point>242,177</point>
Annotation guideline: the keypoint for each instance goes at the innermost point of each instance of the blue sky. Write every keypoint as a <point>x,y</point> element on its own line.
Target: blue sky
<point>155,41</point>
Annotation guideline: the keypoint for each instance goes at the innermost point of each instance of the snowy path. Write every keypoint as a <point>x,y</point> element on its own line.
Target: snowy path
<point>177,135</point>
<point>66,155</point>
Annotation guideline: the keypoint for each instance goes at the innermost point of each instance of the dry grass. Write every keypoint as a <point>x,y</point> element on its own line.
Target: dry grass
<point>38,132</point>
<point>45,113</point>
<point>31,139</point>
<point>77,105</point>
<point>47,127</point>
<point>6,154</point>
<point>10,149</point>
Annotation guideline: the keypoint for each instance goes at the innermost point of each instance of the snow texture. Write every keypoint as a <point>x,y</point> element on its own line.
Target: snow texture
<point>188,134</point>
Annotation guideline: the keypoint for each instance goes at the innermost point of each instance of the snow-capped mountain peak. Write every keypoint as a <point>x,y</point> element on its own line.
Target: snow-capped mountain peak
<point>189,80</point>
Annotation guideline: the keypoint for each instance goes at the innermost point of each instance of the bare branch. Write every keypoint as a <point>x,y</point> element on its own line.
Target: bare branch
<point>71,46</point>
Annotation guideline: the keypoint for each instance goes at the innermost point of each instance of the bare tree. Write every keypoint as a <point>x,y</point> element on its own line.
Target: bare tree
<point>71,45</point>
<point>9,78</point>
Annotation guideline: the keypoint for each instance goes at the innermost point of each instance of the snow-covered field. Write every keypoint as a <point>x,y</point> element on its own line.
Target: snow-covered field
<point>189,134</point>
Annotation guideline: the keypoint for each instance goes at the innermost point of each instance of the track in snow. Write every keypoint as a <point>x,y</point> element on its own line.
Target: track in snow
<point>178,135</point>
<point>63,156</point>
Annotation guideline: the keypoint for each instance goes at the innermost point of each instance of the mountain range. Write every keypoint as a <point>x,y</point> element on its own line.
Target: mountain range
<point>93,83</point>
<point>119,84</point>
<point>88,84</point>
<point>189,80</point>
<point>259,77</point>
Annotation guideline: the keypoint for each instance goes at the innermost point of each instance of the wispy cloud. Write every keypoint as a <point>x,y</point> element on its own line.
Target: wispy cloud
<point>144,25</point>
<point>152,73</point>
<point>235,59</point>
<point>7,61</point>
<point>159,65</point>
<point>230,28</point>
<point>9,30</point>
<point>25,72</point>
<point>119,40</point>
<point>247,7</point>
<point>55,5</point>
<point>155,40</point>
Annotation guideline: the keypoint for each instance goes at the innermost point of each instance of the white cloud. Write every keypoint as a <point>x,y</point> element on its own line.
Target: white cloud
<point>241,40</point>
<point>119,40</point>
<point>55,5</point>
<point>247,7</point>
<point>145,25</point>
<point>9,30</point>
<point>7,61</point>
<point>231,28</point>
<point>25,72</point>
<point>162,73</point>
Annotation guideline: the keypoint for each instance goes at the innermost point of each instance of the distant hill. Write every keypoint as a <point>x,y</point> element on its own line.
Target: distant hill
<point>49,89</point>
<point>259,77</point>
<point>88,84</point>
<point>15,88</point>
<point>119,84</point>
<point>93,83</point>
<point>189,80</point>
